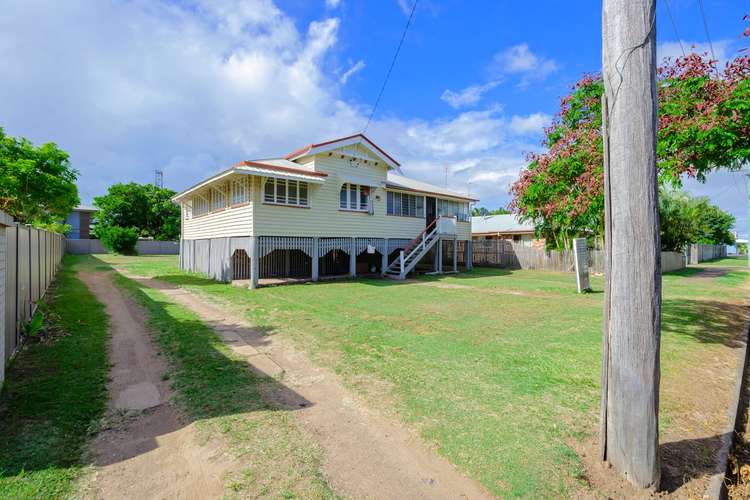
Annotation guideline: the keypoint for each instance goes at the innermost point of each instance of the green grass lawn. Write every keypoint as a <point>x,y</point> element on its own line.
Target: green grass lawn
<point>498,368</point>
<point>54,394</point>
<point>216,388</point>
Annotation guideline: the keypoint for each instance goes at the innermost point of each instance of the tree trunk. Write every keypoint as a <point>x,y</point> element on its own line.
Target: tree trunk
<point>630,371</point>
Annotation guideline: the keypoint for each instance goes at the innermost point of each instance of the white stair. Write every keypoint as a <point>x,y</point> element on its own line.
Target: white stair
<point>413,253</point>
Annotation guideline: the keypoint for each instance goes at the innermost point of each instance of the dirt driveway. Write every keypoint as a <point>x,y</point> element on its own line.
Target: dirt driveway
<point>146,449</point>
<point>149,452</point>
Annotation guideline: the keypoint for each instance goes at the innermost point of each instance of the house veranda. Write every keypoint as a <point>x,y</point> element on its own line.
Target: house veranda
<point>338,208</point>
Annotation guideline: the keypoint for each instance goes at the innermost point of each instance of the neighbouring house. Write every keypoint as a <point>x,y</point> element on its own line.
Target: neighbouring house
<point>80,222</point>
<point>504,227</point>
<point>340,207</point>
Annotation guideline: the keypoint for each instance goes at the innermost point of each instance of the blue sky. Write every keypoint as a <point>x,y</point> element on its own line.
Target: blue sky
<point>193,86</point>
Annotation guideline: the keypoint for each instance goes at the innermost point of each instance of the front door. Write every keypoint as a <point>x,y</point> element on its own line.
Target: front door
<point>431,210</point>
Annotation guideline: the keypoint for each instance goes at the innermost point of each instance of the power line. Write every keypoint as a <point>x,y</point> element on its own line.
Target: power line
<point>674,26</point>
<point>708,36</point>
<point>393,63</point>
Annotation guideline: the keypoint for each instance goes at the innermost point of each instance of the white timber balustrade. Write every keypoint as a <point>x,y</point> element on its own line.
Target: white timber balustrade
<point>415,251</point>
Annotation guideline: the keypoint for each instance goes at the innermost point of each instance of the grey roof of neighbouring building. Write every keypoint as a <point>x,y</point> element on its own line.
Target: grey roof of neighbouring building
<point>507,223</point>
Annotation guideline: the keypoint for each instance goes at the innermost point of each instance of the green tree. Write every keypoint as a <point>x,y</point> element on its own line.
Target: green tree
<point>37,183</point>
<point>676,222</point>
<point>483,212</point>
<point>684,220</point>
<point>712,225</point>
<point>145,207</point>
<point>704,118</point>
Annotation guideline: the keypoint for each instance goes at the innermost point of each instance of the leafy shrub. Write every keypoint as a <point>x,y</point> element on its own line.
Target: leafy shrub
<point>119,239</point>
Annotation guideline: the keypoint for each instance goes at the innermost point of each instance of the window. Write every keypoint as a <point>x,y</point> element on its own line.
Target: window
<point>407,205</point>
<point>200,206</point>
<point>457,209</point>
<point>240,191</point>
<point>354,197</point>
<point>285,192</point>
<point>218,199</point>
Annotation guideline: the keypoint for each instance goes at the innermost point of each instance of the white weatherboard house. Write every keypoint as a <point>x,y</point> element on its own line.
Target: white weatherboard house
<point>340,207</point>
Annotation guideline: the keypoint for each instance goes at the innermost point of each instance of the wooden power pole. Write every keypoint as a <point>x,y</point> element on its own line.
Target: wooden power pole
<point>630,367</point>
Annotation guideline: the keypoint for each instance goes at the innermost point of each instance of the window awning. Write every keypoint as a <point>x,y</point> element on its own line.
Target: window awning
<point>362,180</point>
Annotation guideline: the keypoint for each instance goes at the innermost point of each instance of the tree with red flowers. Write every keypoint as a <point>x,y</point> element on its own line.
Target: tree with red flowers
<point>704,124</point>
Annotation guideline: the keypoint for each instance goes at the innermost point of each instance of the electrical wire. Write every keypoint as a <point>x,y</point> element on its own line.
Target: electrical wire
<point>674,26</point>
<point>708,36</point>
<point>393,63</point>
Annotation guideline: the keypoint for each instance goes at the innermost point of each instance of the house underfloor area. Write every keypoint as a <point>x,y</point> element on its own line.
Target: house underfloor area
<point>288,260</point>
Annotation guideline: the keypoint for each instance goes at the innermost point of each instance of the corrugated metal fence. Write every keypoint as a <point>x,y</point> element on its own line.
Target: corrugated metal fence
<point>32,257</point>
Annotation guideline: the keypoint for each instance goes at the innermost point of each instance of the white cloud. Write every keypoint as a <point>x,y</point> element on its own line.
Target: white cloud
<point>673,49</point>
<point>468,96</point>
<point>520,60</point>
<point>405,6</point>
<point>128,87</point>
<point>354,68</point>
<point>531,124</point>
<point>332,4</point>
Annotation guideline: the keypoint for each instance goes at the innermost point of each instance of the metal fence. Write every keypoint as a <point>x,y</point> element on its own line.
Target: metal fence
<point>31,259</point>
<point>143,247</point>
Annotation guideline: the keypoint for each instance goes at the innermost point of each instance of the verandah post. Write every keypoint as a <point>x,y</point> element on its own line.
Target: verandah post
<point>401,273</point>
<point>254,268</point>
<point>315,258</point>
<point>353,258</point>
<point>384,258</point>
<point>469,255</point>
<point>455,255</point>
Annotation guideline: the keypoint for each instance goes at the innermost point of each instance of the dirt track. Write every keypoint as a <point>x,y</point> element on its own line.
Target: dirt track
<point>366,454</point>
<point>146,450</point>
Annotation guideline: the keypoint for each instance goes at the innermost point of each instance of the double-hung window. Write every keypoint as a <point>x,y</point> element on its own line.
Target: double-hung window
<point>285,192</point>
<point>354,197</point>
<point>405,205</point>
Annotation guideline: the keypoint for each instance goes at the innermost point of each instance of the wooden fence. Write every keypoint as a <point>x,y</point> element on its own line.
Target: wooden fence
<point>505,253</point>
<point>29,259</point>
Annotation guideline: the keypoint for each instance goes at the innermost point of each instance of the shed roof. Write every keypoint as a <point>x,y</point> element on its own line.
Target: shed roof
<point>506,223</point>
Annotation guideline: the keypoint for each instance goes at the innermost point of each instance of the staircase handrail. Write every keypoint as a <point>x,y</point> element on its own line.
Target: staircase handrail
<point>415,241</point>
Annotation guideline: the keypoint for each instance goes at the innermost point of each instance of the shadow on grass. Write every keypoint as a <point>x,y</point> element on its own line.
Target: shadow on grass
<point>208,378</point>
<point>708,321</point>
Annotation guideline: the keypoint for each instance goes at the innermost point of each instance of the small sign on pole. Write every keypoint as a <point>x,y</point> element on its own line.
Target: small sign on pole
<point>581,258</point>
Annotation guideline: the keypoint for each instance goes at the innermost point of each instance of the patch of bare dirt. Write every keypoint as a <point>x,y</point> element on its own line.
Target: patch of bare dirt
<point>145,448</point>
<point>710,272</point>
<point>696,401</point>
<point>367,454</point>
